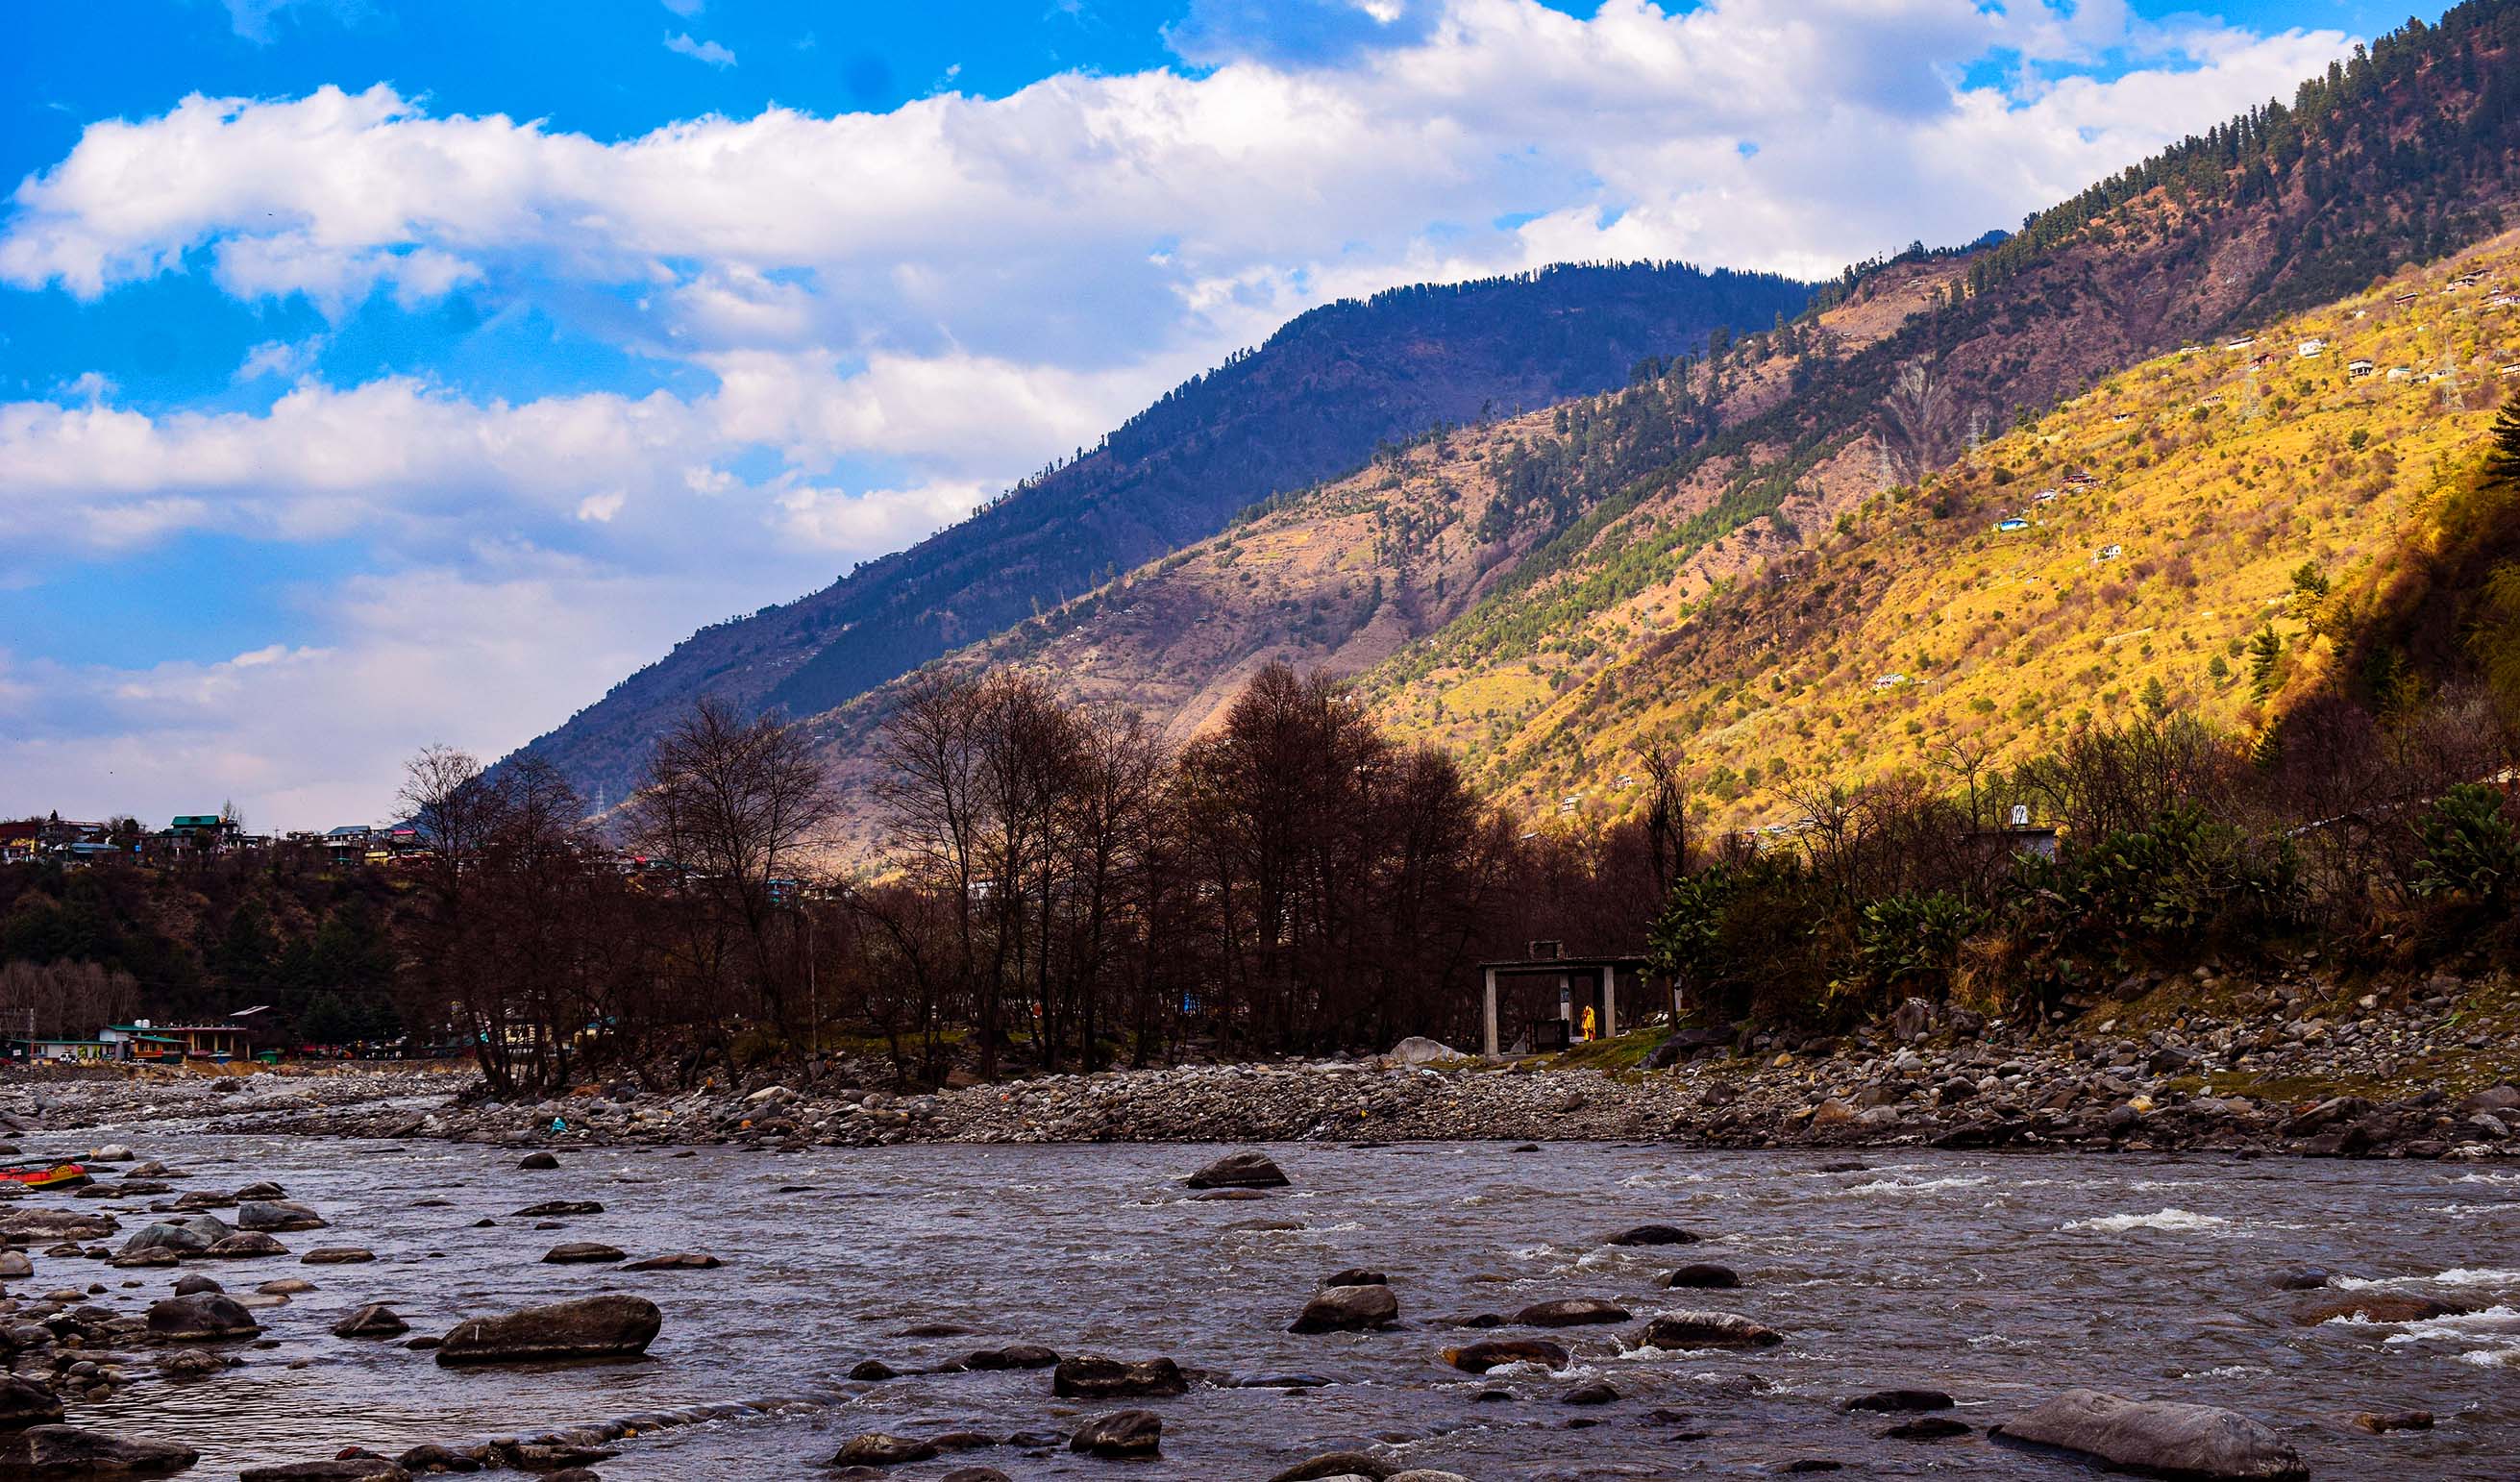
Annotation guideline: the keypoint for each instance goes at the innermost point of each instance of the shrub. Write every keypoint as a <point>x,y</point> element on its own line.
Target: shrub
<point>2470,850</point>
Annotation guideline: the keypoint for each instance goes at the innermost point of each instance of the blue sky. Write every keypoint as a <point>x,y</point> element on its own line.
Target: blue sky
<point>376,373</point>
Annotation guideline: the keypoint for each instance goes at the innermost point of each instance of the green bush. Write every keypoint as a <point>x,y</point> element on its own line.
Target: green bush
<point>2470,850</point>
<point>1914,939</point>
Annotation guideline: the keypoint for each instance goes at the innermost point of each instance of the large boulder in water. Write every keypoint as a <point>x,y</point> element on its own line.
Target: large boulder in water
<point>879,1447</point>
<point>1240,1170</point>
<point>24,1403</point>
<point>2160,1437</point>
<point>1092,1377</point>
<point>1479,1358</point>
<point>37,1226</point>
<point>1571,1311</point>
<point>1349,1309</point>
<point>1128,1433</point>
<point>270,1215</point>
<point>202,1317</point>
<point>611,1326</point>
<point>68,1451</point>
<point>1707,1330</point>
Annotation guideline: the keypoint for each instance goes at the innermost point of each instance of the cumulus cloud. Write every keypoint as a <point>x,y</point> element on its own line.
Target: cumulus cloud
<point>874,319</point>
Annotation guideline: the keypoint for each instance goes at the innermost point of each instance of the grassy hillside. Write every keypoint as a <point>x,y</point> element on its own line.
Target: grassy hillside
<point>2182,523</point>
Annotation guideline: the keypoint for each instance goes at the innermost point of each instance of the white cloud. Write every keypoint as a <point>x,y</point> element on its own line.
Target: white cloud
<point>709,52</point>
<point>686,9</point>
<point>279,359</point>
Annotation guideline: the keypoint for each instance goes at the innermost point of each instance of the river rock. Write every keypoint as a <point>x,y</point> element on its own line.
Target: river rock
<point>335,1469</point>
<point>1925,1428</point>
<point>535,1162</point>
<point>589,1327</point>
<point>185,1287</point>
<point>1240,1170</point>
<point>245,1244</point>
<point>276,1215</point>
<point>1704,1276</point>
<point>2159,1436</point>
<point>1571,1311</point>
<point>285,1287</point>
<point>581,1253</point>
<point>554,1208</point>
<point>1337,1464</point>
<point>202,1316</point>
<point>1707,1330</point>
<point>1479,1358</point>
<point>1903,1401</point>
<point>1092,1377</point>
<point>69,1451</point>
<point>879,1447</point>
<point>374,1321</point>
<point>24,1403</point>
<point>2377,1307</point>
<point>1357,1276</point>
<point>14,1264</point>
<point>27,1225</point>
<point>1123,1434</point>
<point>262,1191</point>
<point>1014,1356</point>
<point>1417,1050</point>
<point>1595,1393</point>
<point>975,1474</point>
<point>337,1255</point>
<point>680,1261</point>
<point>429,1457</point>
<point>1652,1235</point>
<point>1348,1309</point>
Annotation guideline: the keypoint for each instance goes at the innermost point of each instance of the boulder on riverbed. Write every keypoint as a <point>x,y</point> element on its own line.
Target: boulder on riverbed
<point>1240,1170</point>
<point>1337,1464</point>
<point>582,1253</point>
<point>1707,1330</point>
<point>202,1316</point>
<point>245,1244</point>
<point>1012,1357</point>
<point>1092,1377</point>
<point>1900,1400</point>
<point>534,1162</point>
<point>337,1255</point>
<point>1124,1434</point>
<point>679,1261</point>
<point>883,1449</point>
<point>24,1403</point>
<point>2164,1438</point>
<point>554,1208</point>
<point>1479,1358</point>
<point>1652,1235</point>
<point>280,1215</point>
<point>1571,1311</point>
<point>374,1321</point>
<point>1704,1276</point>
<point>68,1451</point>
<point>335,1469</point>
<point>611,1326</point>
<point>1348,1309</point>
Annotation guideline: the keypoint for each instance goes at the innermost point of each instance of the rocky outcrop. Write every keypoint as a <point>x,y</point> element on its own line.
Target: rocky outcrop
<point>2164,1438</point>
<point>611,1326</point>
<point>65,1452</point>
<point>24,1403</point>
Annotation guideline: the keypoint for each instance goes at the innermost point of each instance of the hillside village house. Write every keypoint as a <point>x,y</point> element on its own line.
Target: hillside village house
<point>141,1040</point>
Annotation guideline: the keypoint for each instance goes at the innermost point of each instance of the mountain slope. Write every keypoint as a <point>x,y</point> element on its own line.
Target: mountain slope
<point>1315,400</point>
<point>1547,562</point>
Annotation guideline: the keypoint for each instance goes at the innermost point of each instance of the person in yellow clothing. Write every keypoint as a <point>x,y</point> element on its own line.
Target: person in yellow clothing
<point>1591,1025</point>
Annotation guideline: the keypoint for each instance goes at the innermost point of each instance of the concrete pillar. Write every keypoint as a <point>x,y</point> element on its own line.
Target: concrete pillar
<point>1491,1039</point>
<point>1609,1000</point>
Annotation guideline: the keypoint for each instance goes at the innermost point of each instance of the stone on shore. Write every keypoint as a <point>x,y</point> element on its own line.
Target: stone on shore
<point>2159,1436</point>
<point>1571,1311</point>
<point>611,1326</point>
<point>1348,1309</point>
<point>1479,1358</point>
<point>1240,1170</point>
<point>202,1317</point>
<point>1707,1330</point>
<point>1092,1377</point>
<point>1417,1050</point>
<point>71,1451</point>
<point>1123,1434</point>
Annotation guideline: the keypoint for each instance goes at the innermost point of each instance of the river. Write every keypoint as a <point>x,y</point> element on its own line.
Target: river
<point>1998,1279</point>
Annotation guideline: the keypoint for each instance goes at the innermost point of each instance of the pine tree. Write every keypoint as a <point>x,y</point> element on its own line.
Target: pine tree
<point>2502,460</point>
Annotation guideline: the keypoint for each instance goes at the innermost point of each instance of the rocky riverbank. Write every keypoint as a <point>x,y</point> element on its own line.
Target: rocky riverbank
<point>2425,1070</point>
